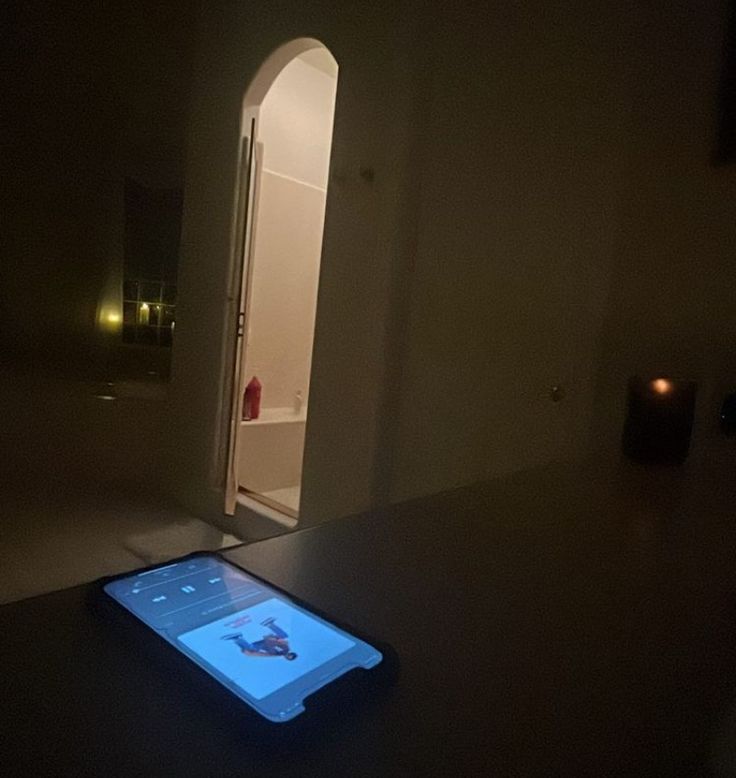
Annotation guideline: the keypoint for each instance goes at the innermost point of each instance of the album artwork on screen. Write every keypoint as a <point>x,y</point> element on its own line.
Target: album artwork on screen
<point>258,642</point>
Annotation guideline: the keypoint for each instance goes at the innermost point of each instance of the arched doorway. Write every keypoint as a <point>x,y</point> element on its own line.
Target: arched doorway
<point>288,113</point>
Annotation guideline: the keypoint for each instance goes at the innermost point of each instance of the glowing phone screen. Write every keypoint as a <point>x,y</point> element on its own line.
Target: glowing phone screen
<point>264,648</point>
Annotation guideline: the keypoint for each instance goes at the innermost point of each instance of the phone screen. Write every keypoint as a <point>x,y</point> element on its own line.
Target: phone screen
<point>263,647</point>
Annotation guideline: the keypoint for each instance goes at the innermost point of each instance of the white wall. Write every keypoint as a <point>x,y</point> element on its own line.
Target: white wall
<point>520,176</point>
<point>296,117</point>
<point>295,129</point>
<point>524,162</point>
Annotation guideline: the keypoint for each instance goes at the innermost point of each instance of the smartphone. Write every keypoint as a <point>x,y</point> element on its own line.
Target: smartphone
<point>259,643</point>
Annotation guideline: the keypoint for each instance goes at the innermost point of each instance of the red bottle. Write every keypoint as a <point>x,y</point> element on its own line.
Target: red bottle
<point>252,400</point>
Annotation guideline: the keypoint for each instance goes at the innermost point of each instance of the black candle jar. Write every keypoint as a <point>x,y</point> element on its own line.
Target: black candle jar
<point>659,419</point>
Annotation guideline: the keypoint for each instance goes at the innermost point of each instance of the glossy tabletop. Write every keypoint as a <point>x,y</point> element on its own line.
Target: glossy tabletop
<point>568,621</point>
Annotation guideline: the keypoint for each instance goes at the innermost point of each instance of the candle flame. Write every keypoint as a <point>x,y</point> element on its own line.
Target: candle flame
<point>662,386</point>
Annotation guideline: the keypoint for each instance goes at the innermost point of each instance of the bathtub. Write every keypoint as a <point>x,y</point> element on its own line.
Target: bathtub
<point>270,451</point>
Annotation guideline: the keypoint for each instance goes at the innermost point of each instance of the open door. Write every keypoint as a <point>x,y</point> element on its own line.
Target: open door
<point>277,249</point>
<point>242,267</point>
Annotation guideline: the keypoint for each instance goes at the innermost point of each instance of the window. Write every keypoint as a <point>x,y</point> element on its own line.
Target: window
<point>149,312</point>
<point>152,225</point>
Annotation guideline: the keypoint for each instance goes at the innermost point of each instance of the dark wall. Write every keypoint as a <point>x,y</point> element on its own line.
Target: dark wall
<point>94,92</point>
<point>670,308</point>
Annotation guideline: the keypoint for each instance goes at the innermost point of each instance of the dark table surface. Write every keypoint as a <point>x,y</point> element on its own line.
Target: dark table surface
<point>563,622</point>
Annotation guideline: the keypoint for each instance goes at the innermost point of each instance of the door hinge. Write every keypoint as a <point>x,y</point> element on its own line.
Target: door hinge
<point>240,325</point>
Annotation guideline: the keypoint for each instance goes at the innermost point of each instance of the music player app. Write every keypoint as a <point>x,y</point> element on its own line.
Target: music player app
<point>241,631</point>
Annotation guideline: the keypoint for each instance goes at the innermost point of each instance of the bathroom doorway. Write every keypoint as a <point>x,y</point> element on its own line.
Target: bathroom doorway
<point>287,121</point>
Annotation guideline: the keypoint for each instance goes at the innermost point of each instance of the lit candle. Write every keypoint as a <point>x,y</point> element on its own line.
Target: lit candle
<point>659,419</point>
